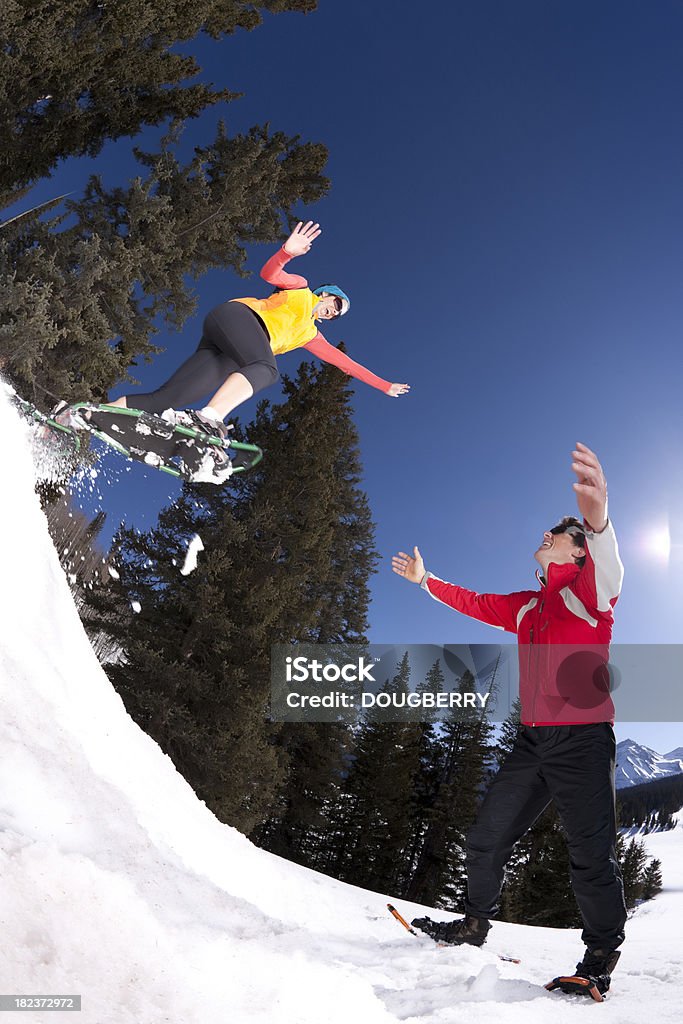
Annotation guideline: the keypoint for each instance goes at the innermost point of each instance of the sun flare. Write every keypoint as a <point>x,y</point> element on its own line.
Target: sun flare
<point>657,544</point>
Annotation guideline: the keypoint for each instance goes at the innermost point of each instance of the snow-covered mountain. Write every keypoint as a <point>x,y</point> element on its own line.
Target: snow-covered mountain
<point>117,884</point>
<point>637,763</point>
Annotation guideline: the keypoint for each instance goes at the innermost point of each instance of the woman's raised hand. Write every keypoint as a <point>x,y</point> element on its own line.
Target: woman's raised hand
<point>398,389</point>
<point>302,238</point>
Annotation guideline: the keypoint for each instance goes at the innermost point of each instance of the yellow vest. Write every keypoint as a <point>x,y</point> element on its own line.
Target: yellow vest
<point>288,315</point>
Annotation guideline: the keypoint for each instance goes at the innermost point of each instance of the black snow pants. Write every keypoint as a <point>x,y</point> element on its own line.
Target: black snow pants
<point>234,339</point>
<point>572,765</point>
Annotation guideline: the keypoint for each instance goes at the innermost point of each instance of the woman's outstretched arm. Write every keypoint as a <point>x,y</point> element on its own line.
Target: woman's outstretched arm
<point>321,348</point>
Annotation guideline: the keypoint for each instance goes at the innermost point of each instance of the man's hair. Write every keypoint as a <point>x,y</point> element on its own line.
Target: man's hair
<point>579,541</point>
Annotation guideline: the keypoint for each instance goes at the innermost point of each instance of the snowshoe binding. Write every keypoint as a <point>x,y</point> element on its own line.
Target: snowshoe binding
<point>592,978</point>
<point>207,425</point>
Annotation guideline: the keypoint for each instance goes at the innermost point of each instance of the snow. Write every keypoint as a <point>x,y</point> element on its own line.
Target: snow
<point>193,549</point>
<point>116,883</point>
<point>637,763</point>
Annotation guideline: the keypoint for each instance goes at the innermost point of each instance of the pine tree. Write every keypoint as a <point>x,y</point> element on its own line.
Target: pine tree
<point>509,730</point>
<point>662,798</point>
<point>632,859</point>
<point>461,759</point>
<point>388,789</point>
<point>288,554</point>
<point>376,812</point>
<point>433,683</point>
<point>538,888</point>
<point>652,879</point>
<point>425,778</point>
<point>81,298</point>
<point>299,825</point>
<point>79,72</point>
<point>75,539</point>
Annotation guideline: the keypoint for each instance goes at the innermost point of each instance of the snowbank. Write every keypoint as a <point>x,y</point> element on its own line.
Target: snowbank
<point>117,884</point>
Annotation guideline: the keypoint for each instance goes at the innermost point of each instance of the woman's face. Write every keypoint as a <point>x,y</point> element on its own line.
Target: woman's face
<point>328,307</point>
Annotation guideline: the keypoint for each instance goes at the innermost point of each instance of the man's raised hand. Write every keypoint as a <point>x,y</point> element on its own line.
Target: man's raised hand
<point>590,487</point>
<point>302,238</point>
<point>411,567</point>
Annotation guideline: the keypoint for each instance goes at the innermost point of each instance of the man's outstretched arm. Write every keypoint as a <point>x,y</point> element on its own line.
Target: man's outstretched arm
<point>590,487</point>
<point>498,610</point>
<point>599,583</point>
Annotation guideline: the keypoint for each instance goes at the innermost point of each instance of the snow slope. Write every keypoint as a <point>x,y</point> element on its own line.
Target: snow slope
<point>116,883</point>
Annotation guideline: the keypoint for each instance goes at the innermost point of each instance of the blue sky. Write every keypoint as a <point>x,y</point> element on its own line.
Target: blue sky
<point>505,213</point>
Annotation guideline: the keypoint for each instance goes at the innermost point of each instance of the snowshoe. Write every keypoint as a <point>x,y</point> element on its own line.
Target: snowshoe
<point>50,425</point>
<point>592,978</point>
<point>171,442</point>
<point>468,930</point>
<point>420,921</point>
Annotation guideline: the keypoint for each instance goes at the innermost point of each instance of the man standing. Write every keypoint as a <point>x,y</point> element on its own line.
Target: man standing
<point>565,747</point>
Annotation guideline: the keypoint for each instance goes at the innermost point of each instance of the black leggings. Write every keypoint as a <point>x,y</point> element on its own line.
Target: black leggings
<point>234,339</point>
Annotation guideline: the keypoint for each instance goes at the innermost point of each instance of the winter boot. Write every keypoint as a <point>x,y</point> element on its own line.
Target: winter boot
<point>207,425</point>
<point>593,975</point>
<point>467,930</point>
<point>65,416</point>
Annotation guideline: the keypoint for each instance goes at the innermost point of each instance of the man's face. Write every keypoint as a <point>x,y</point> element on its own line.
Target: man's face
<point>559,548</point>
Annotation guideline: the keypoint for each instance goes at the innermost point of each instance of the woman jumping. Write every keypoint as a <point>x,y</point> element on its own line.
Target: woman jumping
<point>240,339</point>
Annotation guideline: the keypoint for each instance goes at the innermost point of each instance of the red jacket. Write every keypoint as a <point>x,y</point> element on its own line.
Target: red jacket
<point>563,630</point>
